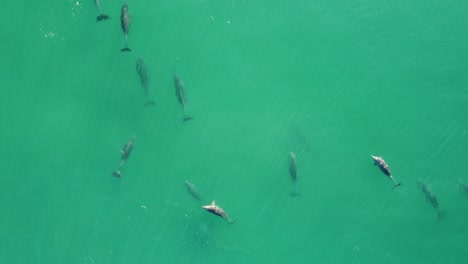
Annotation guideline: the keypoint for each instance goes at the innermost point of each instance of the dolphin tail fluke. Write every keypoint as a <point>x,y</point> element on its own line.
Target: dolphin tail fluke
<point>231,222</point>
<point>117,174</point>
<point>126,49</point>
<point>150,102</point>
<point>102,17</point>
<point>396,185</point>
<point>295,194</point>
<point>187,118</point>
<point>441,214</point>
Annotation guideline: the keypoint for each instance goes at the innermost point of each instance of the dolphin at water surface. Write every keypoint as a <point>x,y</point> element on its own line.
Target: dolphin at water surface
<point>214,209</point>
<point>380,162</point>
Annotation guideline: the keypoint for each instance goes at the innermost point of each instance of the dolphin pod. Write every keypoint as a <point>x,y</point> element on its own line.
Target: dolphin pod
<point>179,86</point>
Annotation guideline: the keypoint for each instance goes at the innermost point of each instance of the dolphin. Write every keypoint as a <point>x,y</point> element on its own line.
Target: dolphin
<point>293,172</point>
<point>192,190</point>
<point>463,187</point>
<point>102,16</point>
<point>180,92</point>
<point>385,169</point>
<point>125,23</point>
<point>214,209</point>
<point>125,153</point>
<point>431,198</point>
<point>144,79</point>
<point>117,173</point>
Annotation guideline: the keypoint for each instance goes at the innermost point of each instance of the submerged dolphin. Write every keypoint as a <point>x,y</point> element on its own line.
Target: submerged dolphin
<point>214,209</point>
<point>192,190</point>
<point>180,92</point>
<point>385,169</point>
<point>144,79</point>
<point>125,153</point>
<point>463,187</point>
<point>431,198</point>
<point>293,172</point>
<point>102,16</point>
<point>125,23</point>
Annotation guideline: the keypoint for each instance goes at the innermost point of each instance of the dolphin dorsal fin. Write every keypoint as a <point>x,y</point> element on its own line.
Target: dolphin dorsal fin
<point>213,203</point>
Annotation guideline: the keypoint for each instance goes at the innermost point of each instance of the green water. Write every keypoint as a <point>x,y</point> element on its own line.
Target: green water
<point>332,81</point>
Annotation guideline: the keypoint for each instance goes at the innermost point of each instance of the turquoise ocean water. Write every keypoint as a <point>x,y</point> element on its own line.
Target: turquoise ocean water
<point>333,81</point>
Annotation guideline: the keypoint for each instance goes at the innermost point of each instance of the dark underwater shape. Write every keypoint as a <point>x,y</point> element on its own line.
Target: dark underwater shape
<point>142,71</point>
<point>293,173</point>
<point>380,162</point>
<point>295,194</point>
<point>187,118</point>
<point>441,214</point>
<point>431,198</point>
<point>117,174</point>
<point>292,166</point>
<point>102,17</point>
<point>143,74</point>
<point>180,93</point>
<point>463,187</point>
<point>125,24</point>
<point>192,190</point>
